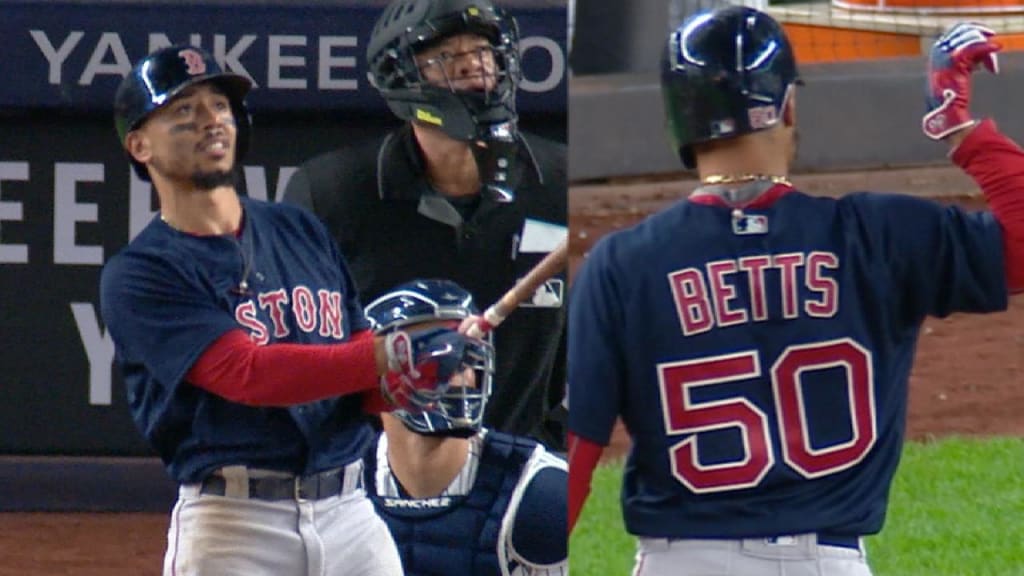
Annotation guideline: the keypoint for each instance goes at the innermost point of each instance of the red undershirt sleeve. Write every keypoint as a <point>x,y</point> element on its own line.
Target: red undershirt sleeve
<point>375,404</point>
<point>285,374</point>
<point>583,458</point>
<point>997,164</point>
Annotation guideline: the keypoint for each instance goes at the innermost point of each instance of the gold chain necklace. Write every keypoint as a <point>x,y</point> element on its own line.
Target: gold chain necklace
<point>714,179</point>
<point>171,224</point>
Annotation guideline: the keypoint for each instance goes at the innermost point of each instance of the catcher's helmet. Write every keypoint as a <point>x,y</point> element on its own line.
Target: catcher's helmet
<point>407,27</point>
<point>158,78</point>
<point>460,411</point>
<point>723,74</point>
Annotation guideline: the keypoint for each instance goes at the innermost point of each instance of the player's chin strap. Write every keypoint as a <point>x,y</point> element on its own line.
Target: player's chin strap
<point>494,154</point>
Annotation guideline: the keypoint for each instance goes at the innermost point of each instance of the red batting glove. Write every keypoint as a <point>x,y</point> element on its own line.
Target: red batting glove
<point>953,57</point>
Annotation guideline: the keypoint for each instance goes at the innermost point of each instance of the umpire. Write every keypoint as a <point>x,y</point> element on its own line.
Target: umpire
<point>457,192</point>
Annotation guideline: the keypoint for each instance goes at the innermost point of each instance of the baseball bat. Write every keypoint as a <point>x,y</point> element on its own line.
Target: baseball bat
<point>550,265</point>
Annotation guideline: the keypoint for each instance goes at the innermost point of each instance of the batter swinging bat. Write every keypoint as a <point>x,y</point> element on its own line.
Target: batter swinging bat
<point>552,264</point>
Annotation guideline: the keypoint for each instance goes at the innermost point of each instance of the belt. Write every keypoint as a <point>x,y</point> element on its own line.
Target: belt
<point>242,482</point>
<point>840,540</point>
<point>821,539</point>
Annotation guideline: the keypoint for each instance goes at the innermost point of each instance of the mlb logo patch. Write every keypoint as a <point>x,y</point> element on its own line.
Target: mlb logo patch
<point>746,224</point>
<point>762,117</point>
<point>722,127</point>
<point>548,295</point>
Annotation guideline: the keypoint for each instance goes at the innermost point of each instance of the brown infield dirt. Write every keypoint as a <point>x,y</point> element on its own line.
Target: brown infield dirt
<point>968,377</point>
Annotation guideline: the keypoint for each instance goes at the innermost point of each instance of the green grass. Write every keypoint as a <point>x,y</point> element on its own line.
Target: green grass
<point>956,509</point>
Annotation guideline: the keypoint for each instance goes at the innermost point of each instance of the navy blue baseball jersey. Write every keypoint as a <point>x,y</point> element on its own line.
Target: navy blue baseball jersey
<point>760,358</point>
<point>168,295</point>
<point>503,515</point>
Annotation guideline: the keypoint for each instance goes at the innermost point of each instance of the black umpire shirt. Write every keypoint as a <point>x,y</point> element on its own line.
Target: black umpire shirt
<point>392,227</point>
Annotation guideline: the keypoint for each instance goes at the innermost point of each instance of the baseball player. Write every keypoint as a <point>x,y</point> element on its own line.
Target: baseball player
<point>244,348</point>
<point>757,341</point>
<point>456,192</point>
<point>461,499</point>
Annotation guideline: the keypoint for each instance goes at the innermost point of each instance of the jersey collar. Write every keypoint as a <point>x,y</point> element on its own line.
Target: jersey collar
<point>401,170</point>
<point>749,196</point>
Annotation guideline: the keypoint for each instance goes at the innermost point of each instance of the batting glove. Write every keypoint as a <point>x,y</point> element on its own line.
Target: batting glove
<point>953,57</point>
<point>475,326</point>
<point>420,365</point>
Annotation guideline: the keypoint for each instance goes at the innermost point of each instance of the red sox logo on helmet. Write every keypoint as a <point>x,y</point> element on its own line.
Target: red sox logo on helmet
<point>194,61</point>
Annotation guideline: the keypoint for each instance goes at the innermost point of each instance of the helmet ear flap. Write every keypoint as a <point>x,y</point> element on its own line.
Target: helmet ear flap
<point>788,112</point>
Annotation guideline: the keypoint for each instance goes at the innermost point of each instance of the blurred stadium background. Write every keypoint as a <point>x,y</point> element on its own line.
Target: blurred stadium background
<point>862,60</point>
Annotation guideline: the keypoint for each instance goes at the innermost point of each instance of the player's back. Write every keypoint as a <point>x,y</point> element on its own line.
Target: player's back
<point>760,358</point>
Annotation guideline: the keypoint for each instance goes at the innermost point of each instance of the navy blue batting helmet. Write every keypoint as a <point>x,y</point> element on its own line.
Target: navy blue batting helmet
<point>725,73</point>
<point>460,410</point>
<point>158,78</point>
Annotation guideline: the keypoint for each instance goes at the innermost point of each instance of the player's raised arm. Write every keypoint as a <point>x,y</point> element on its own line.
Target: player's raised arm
<point>994,161</point>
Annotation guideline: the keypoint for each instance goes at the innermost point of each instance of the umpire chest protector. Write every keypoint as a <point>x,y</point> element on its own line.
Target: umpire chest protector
<point>456,534</point>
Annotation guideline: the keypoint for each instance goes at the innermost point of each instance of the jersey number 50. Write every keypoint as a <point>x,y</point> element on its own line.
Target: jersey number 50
<point>685,416</point>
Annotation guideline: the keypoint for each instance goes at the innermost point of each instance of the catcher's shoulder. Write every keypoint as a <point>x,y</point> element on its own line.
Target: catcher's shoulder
<point>541,519</point>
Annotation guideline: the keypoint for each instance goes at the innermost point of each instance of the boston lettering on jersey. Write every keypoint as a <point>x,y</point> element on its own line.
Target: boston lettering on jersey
<point>321,314</point>
<point>707,297</point>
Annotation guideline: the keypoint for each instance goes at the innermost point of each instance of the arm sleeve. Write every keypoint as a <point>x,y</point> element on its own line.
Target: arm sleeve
<point>374,403</point>
<point>583,458</point>
<point>537,538</point>
<point>283,374</point>
<point>997,164</point>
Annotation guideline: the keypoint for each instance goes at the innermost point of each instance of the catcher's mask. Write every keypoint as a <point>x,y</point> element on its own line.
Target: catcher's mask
<point>460,410</point>
<point>158,78</point>
<point>486,118</point>
<point>725,73</point>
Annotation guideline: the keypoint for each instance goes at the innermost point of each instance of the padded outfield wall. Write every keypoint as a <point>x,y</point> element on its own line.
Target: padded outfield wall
<point>851,116</point>
<point>863,62</point>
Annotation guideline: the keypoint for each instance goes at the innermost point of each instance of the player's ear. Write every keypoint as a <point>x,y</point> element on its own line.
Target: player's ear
<point>789,107</point>
<point>138,146</point>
